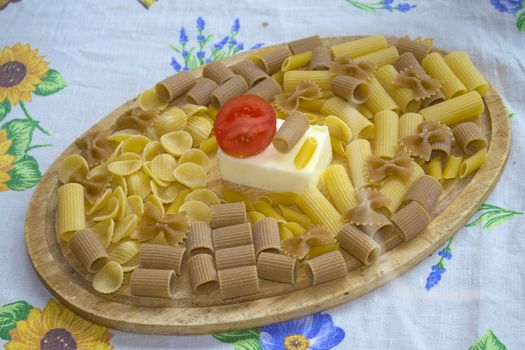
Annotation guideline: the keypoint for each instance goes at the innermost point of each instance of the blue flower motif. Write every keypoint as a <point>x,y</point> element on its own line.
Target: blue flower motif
<point>176,65</point>
<point>200,24</point>
<point>256,46</point>
<point>387,5</point>
<point>232,42</point>
<point>508,6</point>
<point>208,60</point>
<point>445,253</point>
<point>201,54</point>
<point>220,44</point>
<point>240,46</point>
<point>315,332</point>
<point>435,276</point>
<point>183,38</point>
<point>405,7</point>
<point>201,38</point>
<point>185,53</point>
<point>236,26</point>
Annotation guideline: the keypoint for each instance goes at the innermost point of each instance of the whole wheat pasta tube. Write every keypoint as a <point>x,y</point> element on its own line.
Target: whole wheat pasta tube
<point>379,99</point>
<point>358,244</point>
<point>321,59</point>
<point>472,163</point>
<point>272,61</point>
<point>234,86</point>
<point>231,236</point>
<point>175,86</point>
<point>435,65</point>
<point>359,125</point>
<point>199,239</point>
<point>227,214</point>
<point>383,226</point>
<point>350,89</point>
<point>411,220</point>
<point>277,267</point>
<point>442,148</point>
<point>200,93</point>
<point>381,57</point>
<point>396,190</point>
<point>71,213</point>
<point>305,44</point>
<point>408,124</point>
<point>404,97</point>
<point>87,247</point>
<point>327,267</point>
<point>203,275</point>
<point>357,152</point>
<point>249,71</point>
<point>266,88</point>
<point>339,188</point>
<point>469,137</point>
<point>456,109</point>
<point>217,71</point>
<point>290,132</point>
<point>359,47</point>
<point>152,283</point>
<point>426,191</point>
<point>239,281</point>
<point>229,258</point>
<point>462,66</point>
<point>319,209</point>
<point>418,49</point>
<point>266,236</point>
<point>451,170</point>
<point>386,134</point>
<point>162,257</point>
<point>291,79</point>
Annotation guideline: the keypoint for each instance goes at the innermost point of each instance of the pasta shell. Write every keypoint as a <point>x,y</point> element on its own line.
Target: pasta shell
<point>122,202</point>
<point>198,157</point>
<point>191,175</point>
<point>199,128</point>
<point>119,181</point>
<point>151,150</point>
<point>135,205</point>
<point>100,202</point>
<point>123,135</point>
<point>149,101</point>
<point>173,119</point>
<point>338,129</point>
<point>125,164</point>
<point>71,165</point>
<point>104,231</point>
<point>138,183</point>
<point>203,195</point>
<point>109,278</point>
<point>155,200</point>
<point>165,194</point>
<point>196,211</point>
<point>176,142</point>
<point>147,170</point>
<point>131,265</point>
<point>135,144</point>
<point>123,252</point>
<point>124,227</point>
<point>174,207</point>
<point>109,211</point>
<point>192,110</point>
<point>163,165</point>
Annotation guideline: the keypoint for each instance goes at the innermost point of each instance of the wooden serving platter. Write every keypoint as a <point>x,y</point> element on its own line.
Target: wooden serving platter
<point>187,313</point>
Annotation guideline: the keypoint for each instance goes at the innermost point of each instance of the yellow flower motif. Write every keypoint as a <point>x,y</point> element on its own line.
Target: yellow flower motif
<point>5,160</point>
<point>20,71</point>
<point>57,328</point>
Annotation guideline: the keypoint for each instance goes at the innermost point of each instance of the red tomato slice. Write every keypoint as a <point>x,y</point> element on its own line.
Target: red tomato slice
<point>245,125</point>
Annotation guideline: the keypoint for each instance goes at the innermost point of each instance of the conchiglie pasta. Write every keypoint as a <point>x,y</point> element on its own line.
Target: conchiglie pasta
<point>123,135</point>
<point>109,211</point>
<point>196,211</point>
<point>70,165</point>
<point>166,194</point>
<point>162,166</point>
<point>149,101</point>
<point>194,110</point>
<point>191,175</point>
<point>104,231</point>
<point>125,164</point>
<point>122,202</point>
<point>135,144</point>
<point>135,205</point>
<point>138,183</point>
<point>196,156</point>
<point>123,252</point>
<point>199,128</point>
<point>151,150</point>
<point>174,119</point>
<point>124,228</point>
<point>203,195</point>
<point>146,168</point>
<point>174,207</point>
<point>100,202</point>
<point>155,200</point>
<point>176,142</point>
<point>109,278</point>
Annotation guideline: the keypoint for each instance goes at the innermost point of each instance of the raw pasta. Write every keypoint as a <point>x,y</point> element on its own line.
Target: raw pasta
<point>70,210</point>
<point>339,188</point>
<point>359,47</point>
<point>358,244</point>
<point>326,267</point>
<point>88,249</point>
<point>239,281</point>
<point>152,283</point>
<point>358,152</point>
<point>199,239</point>
<point>386,134</point>
<point>266,236</point>
<point>277,267</point>
<point>436,66</point>
<point>229,258</point>
<point>461,64</point>
<point>456,109</point>
<point>319,209</point>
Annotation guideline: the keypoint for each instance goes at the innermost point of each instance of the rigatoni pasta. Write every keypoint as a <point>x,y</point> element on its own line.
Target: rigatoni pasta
<point>153,283</point>
<point>266,236</point>
<point>461,64</point>
<point>229,258</point>
<point>272,61</point>
<point>217,71</point>
<point>249,71</point>
<point>408,124</point>
<point>358,244</point>
<point>339,188</point>
<point>296,61</point>
<point>266,88</point>
<point>380,57</point>
<point>435,65</point>
<point>469,137</point>
<point>291,79</point>
<point>70,210</point>
<point>359,47</point>
<point>305,44</point>
<point>239,281</point>
<point>203,275</point>
<point>403,96</point>
<point>319,209</point>
<point>411,220</point>
<point>379,99</point>
<point>452,166</point>
<point>456,109</point>
<point>321,59</point>
<point>87,247</point>
<point>162,257</point>
<point>277,267</point>
<point>357,152</point>
<point>426,191</point>
<point>386,134</point>
<point>359,125</point>
<point>418,49</point>
<point>326,267</point>
<point>232,236</point>
<point>228,214</point>
<point>175,86</point>
<point>472,163</point>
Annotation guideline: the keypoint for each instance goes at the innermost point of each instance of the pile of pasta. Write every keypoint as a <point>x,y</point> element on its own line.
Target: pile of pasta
<point>402,120</point>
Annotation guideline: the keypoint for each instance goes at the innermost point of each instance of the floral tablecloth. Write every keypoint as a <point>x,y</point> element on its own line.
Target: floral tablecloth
<point>65,64</point>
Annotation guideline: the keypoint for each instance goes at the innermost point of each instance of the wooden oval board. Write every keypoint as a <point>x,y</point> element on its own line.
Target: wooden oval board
<point>187,313</point>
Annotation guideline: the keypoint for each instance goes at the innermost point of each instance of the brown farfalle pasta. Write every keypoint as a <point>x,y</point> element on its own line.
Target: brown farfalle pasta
<point>95,147</point>
<point>417,48</point>
<point>200,94</point>
<point>94,185</point>
<point>217,71</point>
<point>469,137</point>
<point>426,191</point>
<point>411,220</point>
<point>249,71</point>
<point>153,223</point>
<point>423,85</point>
<point>291,131</point>
<point>378,169</point>
<point>305,44</point>
<point>266,89</point>
<point>321,59</point>
<point>136,119</point>
<point>299,246</point>
<point>420,145</point>
<point>362,70</point>
<point>305,90</point>
<point>365,213</point>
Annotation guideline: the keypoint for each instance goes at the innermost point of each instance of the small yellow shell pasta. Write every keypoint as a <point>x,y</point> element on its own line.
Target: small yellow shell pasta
<point>296,61</point>
<point>196,211</point>
<point>135,144</point>
<point>191,175</point>
<point>104,231</point>
<point>151,150</point>
<point>119,180</point>
<point>138,183</point>
<point>209,145</point>
<point>472,163</point>
<point>174,207</point>
<point>125,164</point>
<point>70,165</point>
<point>305,153</point>
<point>149,100</point>
<point>162,167</point>
<point>203,195</point>
<point>196,156</point>
<point>199,128</point>
<point>165,194</point>
<point>109,211</point>
<point>100,202</point>
<point>123,135</point>
<point>109,278</point>
<point>122,202</point>
<point>123,252</point>
<point>338,128</point>
<point>173,119</point>
<point>193,110</point>
<point>146,168</point>
<point>135,205</point>
<point>176,142</point>
<point>124,228</point>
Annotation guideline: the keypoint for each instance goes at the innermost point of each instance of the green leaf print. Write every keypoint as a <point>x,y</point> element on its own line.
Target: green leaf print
<point>492,215</point>
<point>521,22</point>
<point>488,342</point>
<point>26,174</point>
<point>362,6</point>
<point>248,344</point>
<point>20,131</point>
<point>236,336</point>
<point>5,108</point>
<point>52,83</point>
<point>10,314</point>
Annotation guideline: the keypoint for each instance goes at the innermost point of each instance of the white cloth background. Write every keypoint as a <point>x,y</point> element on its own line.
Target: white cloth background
<point>109,51</point>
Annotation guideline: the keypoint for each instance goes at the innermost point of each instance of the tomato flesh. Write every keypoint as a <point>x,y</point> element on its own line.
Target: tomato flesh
<point>245,125</point>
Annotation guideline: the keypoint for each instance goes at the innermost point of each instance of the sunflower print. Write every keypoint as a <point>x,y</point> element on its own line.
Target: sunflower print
<point>57,328</point>
<point>6,160</point>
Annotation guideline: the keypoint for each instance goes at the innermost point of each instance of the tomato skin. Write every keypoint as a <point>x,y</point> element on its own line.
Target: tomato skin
<point>245,125</point>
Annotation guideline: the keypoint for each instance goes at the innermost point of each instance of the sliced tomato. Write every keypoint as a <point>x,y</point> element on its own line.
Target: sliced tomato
<point>245,125</point>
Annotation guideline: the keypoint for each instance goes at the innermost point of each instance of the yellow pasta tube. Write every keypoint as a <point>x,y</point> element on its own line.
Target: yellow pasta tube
<point>296,61</point>
<point>396,190</point>
<point>359,47</point>
<point>267,210</point>
<point>338,147</point>
<point>379,99</point>
<point>404,97</point>
<point>339,188</point>
<point>434,168</point>
<point>456,109</point>
<point>285,233</point>
<point>380,57</point>
<point>435,65</point>
<point>279,198</point>
<point>277,267</point>
<point>292,78</point>
<point>293,215</point>
<point>360,126</point>
<point>472,163</point>
<point>319,209</point>
<point>254,216</point>
<point>462,66</point>
<point>408,124</point>
<point>386,133</point>
<point>357,152</point>
<point>451,170</point>
<point>294,228</point>
<point>71,211</point>
<point>305,153</point>
<point>230,195</point>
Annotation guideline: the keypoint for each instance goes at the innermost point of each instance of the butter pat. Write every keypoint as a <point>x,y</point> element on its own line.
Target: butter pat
<point>273,171</point>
